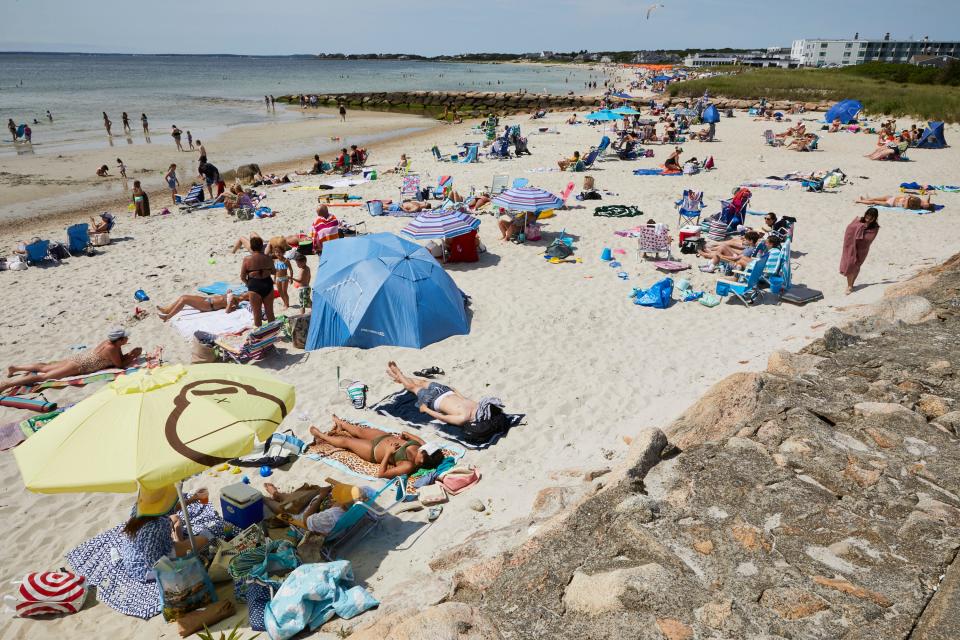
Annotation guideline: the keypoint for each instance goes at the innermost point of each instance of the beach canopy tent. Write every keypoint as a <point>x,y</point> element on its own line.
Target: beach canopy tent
<point>380,289</point>
<point>662,78</point>
<point>710,114</point>
<point>845,110</point>
<point>932,137</point>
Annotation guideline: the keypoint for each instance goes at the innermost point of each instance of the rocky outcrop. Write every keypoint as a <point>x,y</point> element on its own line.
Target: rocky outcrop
<point>817,499</point>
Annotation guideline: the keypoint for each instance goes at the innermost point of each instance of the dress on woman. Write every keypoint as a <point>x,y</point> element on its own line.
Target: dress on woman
<point>122,568</point>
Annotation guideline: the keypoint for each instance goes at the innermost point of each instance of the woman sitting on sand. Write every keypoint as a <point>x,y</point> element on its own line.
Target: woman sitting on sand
<point>228,301</point>
<point>890,150</point>
<point>106,355</point>
<point>673,164</point>
<point>397,454</point>
<point>315,170</point>
<point>903,201</point>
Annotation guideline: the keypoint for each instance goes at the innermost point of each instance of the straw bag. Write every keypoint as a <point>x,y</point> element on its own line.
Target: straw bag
<point>99,239</point>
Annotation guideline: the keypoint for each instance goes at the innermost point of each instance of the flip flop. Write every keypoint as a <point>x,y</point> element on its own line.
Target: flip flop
<point>429,372</point>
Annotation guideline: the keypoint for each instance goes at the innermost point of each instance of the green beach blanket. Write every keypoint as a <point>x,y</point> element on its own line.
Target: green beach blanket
<point>617,211</point>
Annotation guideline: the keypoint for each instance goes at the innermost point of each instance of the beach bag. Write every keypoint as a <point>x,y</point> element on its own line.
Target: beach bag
<point>375,207</point>
<point>657,296</point>
<point>533,232</point>
<point>244,213</point>
<point>258,596</point>
<point>184,585</point>
<point>59,251</point>
<point>255,566</point>
<point>100,239</point>
<point>49,592</point>
<point>431,494</point>
<point>227,550</point>
<point>202,353</point>
<point>459,479</point>
<point>558,249</point>
<point>299,325</point>
<point>16,264</point>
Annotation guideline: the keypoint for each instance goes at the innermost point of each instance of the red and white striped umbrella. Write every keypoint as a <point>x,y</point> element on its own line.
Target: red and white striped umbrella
<point>527,199</point>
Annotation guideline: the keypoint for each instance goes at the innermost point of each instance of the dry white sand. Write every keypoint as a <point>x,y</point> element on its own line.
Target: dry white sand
<point>561,343</point>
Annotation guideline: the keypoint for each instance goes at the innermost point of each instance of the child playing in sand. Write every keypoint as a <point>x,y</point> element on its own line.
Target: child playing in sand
<point>282,275</point>
<point>302,281</point>
<point>122,168</point>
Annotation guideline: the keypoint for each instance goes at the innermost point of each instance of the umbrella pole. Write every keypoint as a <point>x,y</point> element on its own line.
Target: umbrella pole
<point>186,516</point>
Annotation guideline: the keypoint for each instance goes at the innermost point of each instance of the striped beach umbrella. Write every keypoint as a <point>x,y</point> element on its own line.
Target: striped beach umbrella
<point>527,199</point>
<point>440,223</point>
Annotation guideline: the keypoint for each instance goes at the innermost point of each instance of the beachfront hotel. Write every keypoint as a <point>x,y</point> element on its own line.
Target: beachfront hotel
<point>827,52</point>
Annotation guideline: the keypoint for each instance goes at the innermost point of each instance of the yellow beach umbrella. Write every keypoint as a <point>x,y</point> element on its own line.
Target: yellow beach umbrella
<point>155,428</point>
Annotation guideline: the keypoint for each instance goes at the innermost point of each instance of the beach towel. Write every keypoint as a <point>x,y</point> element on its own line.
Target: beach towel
<point>924,188</point>
<point>219,288</point>
<point>919,212</point>
<point>617,211</point>
<point>189,321</point>
<point>10,435</point>
<point>352,464</point>
<point>402,405</point>
<point>656,172</point>
<point>764,184</point>
<point>313,594</point>
<point>31,425</point>
<point>98,560</point>
<point>153,359</point>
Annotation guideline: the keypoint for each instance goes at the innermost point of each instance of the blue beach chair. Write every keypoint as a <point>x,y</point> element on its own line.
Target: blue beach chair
<point>78,238</point>
<point>362,517</point>
<point>471,156</point>
<point>689,207</point>
<point>38,251</point>
<point>747,291</point>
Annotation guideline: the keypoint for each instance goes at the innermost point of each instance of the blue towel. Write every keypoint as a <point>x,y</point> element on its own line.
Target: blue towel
<point>654,172</point>
<point>219,288</point>
<point>313,594</point>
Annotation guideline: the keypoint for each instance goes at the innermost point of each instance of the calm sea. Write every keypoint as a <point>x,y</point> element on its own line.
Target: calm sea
<point>211,92</point>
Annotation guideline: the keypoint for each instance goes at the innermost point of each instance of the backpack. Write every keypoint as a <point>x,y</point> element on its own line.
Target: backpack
<point>59,251</point>
<point>50,592</point>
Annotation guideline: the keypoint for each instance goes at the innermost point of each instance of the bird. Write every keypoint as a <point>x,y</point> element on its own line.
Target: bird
<point>653,8</point>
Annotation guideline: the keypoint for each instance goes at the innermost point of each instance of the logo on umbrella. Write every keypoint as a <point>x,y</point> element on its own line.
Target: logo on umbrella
<point>186,436</point>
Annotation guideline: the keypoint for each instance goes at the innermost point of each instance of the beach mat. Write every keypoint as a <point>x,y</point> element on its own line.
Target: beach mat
<point>919,212</point>
<point>778,186</point>
<point>219,288</point>
<point>402,405</point>
<point>655,172</point>
<point>218,322</point>
<point>353,465</point>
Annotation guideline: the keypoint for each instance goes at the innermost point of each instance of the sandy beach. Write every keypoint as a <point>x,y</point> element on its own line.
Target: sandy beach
<point>561,343</point>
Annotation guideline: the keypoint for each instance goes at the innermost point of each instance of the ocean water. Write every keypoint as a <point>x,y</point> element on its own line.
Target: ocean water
<point>210,93</point>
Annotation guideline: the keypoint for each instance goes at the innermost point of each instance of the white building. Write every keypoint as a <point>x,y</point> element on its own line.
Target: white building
<point>707,60</point>
<point>824,52</point>
<point>753,60</point>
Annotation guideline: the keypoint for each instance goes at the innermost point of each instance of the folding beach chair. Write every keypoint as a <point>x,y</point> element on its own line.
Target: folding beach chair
<point>499,184</point>
<point>410,186</point>
<point>747,291</point>
<point>362,517</point>
<point>443,184</point>
<point>472,152</point>
<point>588,160</point>
<point>437,155</point>
<point>655,239</point>
<point>194,195</point>
<point>519,183</point>
<point>781,280</point>
<point>565,194</point>
<point>38,251</point>
<point>78,238</point>
<point>603,147</point>
<point>771,139</point>
<point>689,207</point>
<point>249,345</point>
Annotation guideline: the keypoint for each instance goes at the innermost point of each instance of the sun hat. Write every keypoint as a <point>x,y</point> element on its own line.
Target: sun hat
<point>156,502</point>
<point>117,333</point>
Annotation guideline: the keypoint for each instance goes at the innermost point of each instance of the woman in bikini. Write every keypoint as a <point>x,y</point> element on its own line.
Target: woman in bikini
<point>672,164</point>
<point>256,273</point>
<point>106,355</point>
<point>904,201</point>
<point>397,455</point>
<point>229,302</point>
<point>282,274</point>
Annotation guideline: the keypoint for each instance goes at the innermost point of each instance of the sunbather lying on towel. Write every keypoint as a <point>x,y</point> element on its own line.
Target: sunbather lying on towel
<point>229,302</point>
<point>450,406</point>
<point>904,201</point>
<point>106,355</point>
<point>397,455</point>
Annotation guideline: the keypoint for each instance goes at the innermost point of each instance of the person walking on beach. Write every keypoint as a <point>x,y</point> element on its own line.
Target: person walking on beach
<point>143,121</point>
<point>266,100</point>
<point>201,149</point>
<point>176,133</point>
<point>171,179</point>
<point>189,140</point>
<point>27,133</point>
<point>12,128</point>
<point>106,123</point>
<point>857,238</point>
<point>122,168</point>
<point>273,103</point>
<point>49,115</point>
<point>343,113</point>
<point>126,122</point>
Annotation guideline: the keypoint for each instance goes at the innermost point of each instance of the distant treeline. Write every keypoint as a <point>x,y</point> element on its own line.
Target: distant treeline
<point>909,73</point>
<point>558,56</point>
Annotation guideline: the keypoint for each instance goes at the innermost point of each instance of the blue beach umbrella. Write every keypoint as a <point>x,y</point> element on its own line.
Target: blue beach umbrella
<point>604,115</point>
<point>626,111</point>
<point>380,289</point>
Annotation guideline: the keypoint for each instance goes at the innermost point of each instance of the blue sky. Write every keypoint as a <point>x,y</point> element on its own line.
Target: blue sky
<point>431,27</point>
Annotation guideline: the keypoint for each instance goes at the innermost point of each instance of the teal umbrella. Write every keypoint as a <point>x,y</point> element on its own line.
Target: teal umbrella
<point>626,111</point>
<point>604,115</point>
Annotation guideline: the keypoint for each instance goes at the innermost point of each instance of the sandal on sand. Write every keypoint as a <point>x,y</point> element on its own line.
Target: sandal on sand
<point>429,373</point>
<point>357,393</point>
